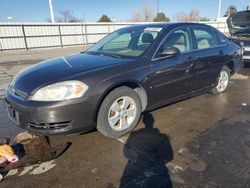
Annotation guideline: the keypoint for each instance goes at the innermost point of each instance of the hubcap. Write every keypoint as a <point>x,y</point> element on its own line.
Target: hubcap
<point>223,81</point>
<point>122,113</point>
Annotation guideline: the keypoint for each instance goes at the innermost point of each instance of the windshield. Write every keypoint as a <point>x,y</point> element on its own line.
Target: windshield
<point>127,42</point>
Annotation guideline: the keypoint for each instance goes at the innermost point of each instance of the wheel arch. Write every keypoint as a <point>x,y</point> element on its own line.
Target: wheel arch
<point>131,84</point>
<point>230,65</point>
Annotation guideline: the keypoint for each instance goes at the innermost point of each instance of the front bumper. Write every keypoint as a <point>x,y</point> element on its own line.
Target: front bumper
<point>51,118</point>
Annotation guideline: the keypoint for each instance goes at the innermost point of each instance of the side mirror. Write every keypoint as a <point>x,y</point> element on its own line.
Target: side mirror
<point>170,52</point>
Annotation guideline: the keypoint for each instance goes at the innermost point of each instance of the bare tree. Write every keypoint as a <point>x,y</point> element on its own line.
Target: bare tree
<point>143,14</point>
<point>191,16</point>
<point>48,20</point>
<point>204,19</point>
<point>136,17</point>
<point>66,16</point>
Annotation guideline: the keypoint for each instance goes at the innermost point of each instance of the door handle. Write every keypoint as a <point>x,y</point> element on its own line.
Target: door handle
<point>165,70</point>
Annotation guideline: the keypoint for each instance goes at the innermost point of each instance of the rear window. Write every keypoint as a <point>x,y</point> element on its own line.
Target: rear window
<point>222,39</point>
<point>204,38</point>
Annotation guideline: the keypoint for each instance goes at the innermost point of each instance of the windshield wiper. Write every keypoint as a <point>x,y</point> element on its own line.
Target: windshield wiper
<point>93,52</point>
<point>103,54</point>
<point>110,55</point>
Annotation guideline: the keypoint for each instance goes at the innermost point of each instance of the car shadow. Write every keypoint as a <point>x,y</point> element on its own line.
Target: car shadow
<point>148,151</point>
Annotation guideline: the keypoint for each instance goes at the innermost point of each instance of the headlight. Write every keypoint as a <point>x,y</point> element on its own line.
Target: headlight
<point>61,91</point>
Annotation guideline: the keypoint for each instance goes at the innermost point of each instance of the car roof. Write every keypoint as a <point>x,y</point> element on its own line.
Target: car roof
<point>167,24</point>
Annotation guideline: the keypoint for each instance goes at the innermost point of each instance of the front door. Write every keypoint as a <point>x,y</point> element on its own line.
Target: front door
<point>173,76</point>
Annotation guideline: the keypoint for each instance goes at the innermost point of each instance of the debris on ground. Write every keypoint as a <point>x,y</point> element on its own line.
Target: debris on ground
<point>29,149</point>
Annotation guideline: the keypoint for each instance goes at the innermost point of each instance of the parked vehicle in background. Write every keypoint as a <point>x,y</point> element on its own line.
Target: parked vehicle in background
<point>239,28</point>
<point>129,71</point>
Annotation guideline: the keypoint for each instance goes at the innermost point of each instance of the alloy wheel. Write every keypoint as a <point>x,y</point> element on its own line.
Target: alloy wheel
<point>223,81</point>
<point>122,113</point>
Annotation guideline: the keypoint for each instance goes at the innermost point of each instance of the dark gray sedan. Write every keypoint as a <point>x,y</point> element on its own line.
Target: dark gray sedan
<point>129,71</point>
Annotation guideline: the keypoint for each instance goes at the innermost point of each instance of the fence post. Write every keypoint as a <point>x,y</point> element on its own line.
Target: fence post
<point>60,35</point>
<point>82,32</point>
<point>1,48</point>
<point>108,28</point>
<point>86,34</point>
<point>24,37</point>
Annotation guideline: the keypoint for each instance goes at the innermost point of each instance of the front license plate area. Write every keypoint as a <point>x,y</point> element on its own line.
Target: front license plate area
<point>13,114</point>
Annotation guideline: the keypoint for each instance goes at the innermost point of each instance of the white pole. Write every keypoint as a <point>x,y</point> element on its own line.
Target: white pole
<point>158,6</point>
<point>219,10</point>
<point>51,11</point>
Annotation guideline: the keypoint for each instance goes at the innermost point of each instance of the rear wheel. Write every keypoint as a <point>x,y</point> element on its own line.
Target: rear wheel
<point>222,81</point>
<point>119,113</point>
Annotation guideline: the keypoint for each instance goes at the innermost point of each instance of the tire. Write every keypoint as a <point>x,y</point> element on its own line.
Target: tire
<point>222,81</point>
<point>119,112</point>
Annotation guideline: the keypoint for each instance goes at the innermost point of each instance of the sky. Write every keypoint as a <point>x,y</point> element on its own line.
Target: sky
<point>118,10</point>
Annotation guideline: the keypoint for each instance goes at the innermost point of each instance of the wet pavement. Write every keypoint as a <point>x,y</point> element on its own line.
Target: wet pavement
<point>199,142</point>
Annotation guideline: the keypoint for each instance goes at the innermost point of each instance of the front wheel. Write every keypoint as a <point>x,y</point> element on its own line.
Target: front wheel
<point>119,113</point>
<point>222,81</point>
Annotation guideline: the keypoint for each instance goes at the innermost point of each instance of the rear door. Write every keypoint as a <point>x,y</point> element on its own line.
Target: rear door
<point>173,76</point>
<point>211,56</point>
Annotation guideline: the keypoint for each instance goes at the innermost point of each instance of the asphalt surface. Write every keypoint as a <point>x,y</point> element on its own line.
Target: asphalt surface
<point>199,142</point>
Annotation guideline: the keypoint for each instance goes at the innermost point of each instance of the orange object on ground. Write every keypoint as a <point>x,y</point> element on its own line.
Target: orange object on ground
<point>7,152</point>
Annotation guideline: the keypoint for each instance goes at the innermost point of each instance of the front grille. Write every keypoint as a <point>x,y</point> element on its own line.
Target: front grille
<point>50,126</point>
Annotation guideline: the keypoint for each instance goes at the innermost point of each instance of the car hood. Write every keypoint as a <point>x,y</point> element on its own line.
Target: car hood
<point>239,23</point>
<point>58,69</point>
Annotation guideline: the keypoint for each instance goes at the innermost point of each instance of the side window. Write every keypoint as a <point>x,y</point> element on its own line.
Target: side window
<point>204,38</point>
<point>179,39</point>
<point>222,39</point>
